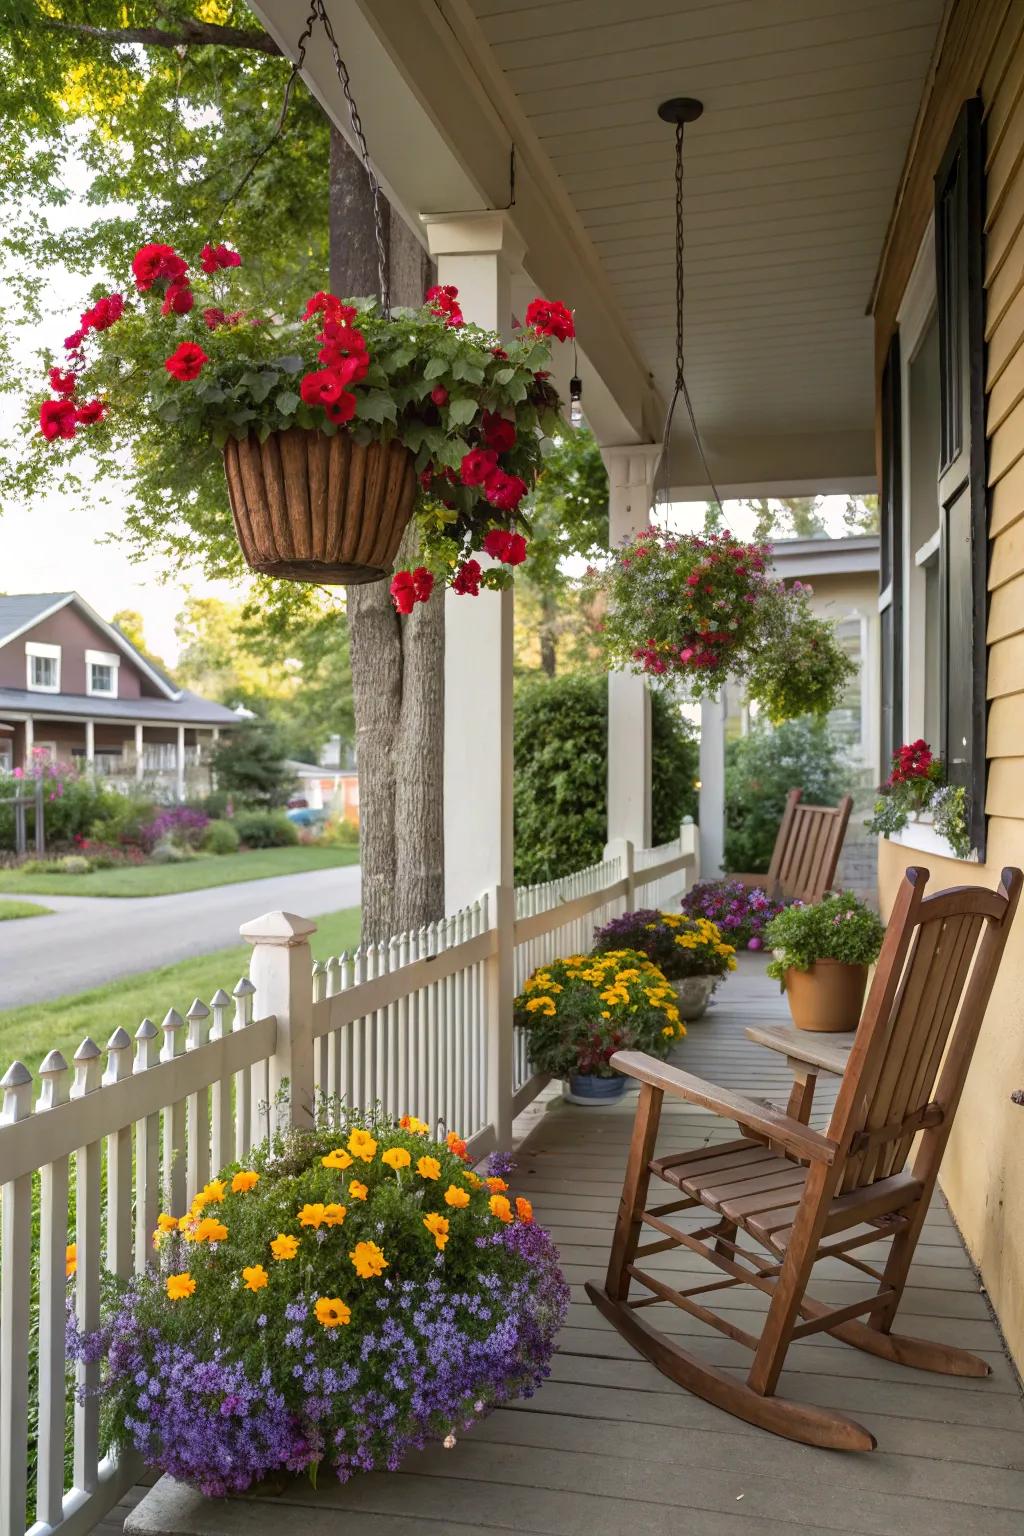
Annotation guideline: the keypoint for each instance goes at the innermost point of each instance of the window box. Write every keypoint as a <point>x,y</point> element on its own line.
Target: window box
<point>920,834</point>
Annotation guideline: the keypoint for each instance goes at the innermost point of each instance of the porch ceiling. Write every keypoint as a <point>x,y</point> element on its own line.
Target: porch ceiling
<point>790,177</point>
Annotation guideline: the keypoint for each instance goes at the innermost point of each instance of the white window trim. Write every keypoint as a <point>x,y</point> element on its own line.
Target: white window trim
<point>35,648</point>
<point>101,659</point>
<point>922,836</point>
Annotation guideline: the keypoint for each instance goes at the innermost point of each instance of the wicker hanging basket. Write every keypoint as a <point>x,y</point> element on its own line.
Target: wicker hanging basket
<point>314,508</point>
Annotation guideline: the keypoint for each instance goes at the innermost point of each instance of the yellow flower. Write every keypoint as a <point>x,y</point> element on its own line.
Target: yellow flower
<point>368,1260</point>
<point>396,1157</point>
<point>418,1127</point>
<point>255,1277</point>
<point>362,1145</point>
<point>165,1223</point>
<point>334,1215</point>
<point>180,1286</point>
<point>209,1230</point>
<point>545,1005</point>
<point>215,1190</point>
<point>70,1260</point>
<point>186,1223</point>
<point>428,1168</point>
<point>331,1310</point>
<point>339,1158</point>
<point>312,1215</point>
<point>284,1246</point>
<point>358,1191</point>
<point>669,1031</point>
<point>199,1201</point>
<point>496,1186</point>
<point>500,1208</point>
<point>472,1178</point>
<point>243,1181</point>
<point>437,1226</point>
<point>455,1196</point>
<point>630,974</point>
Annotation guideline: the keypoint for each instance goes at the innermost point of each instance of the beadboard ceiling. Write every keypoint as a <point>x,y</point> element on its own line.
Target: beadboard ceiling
<point>790,179</point>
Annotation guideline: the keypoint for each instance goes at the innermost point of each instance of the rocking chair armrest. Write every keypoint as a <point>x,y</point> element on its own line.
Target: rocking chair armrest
<point>761,1119</point>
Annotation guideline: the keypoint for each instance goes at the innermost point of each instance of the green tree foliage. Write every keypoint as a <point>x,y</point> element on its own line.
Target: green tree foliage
<point>131,624</point>
<point>760,770</point>
<point>250,764</point>
<point>561,744</point>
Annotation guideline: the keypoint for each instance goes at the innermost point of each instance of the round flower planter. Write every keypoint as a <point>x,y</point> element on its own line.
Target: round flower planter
<point>827,997</point>
<point>314,508</point>
<point>694,994</point>
<point>585,1088</point>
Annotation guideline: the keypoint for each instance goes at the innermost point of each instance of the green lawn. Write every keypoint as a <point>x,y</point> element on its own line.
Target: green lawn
<point>167,879</point>
<point>21,909</point>
<point>27,1033</point>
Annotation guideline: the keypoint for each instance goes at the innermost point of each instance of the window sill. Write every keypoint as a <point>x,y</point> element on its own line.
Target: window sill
<point>922,836</point>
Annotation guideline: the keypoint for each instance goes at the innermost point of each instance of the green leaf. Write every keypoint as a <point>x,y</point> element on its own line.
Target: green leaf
<point>169,411</point>
<point>436,367</point>
<point>504,376</point>
<point>375,405</point>
<point>461,369</point>
<point>263,431</point>
<point>401,356</point>
<point>288,401</point>
<point>461,410</point>
<point>290,364</point>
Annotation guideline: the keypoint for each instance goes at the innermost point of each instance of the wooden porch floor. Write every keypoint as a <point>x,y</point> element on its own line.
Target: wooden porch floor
<point>609,1447</point>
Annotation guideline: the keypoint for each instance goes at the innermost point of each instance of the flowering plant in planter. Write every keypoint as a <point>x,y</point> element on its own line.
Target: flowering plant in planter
<point>740,912</point>
<point>582,1009</point>
<point>349,1293</point>
<point>315,413</point>
<point>839,927</point>
<point>915,786</point>
<point>679,946</point>
<point>701,607</point>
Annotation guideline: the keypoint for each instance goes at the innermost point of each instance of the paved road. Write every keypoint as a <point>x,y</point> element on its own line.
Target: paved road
<point>93,939</point>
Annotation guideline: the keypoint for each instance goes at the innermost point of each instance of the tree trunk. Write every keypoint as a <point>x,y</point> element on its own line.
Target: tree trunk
<point>397,663</point>
<point>547,634</point>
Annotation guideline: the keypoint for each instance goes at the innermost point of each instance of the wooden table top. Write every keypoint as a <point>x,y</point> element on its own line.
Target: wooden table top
<point>827,1051</point>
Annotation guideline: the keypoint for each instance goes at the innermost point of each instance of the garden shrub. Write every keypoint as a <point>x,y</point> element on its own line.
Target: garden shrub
<point>265,829</point>
<point>561,746</point>
<point>74,864</point>
<point>171,853</point>
<point>71,801</point>
<point>760,770</point>
<point>178,824</point>
<point>221,837</point>
<point>250,765</point>
<point>339,832</point>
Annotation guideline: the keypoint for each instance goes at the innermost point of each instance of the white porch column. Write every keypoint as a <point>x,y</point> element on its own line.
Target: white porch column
<point>711,813</point>
<point>90,743</point>
<point>478,253</point>
<point>179,763</point>
<point>631,473</point>
<point>138,752</point>
<point>30,740</point>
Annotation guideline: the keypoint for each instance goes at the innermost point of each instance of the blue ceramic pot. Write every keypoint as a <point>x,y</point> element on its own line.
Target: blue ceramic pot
<point>586,1089</point>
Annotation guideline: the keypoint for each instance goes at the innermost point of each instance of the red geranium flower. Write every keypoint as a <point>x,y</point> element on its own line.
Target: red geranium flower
<point>153,262</point>
<point>510,548</point>
<point>439,395</point>
<point>62,383</point>
<point>411,587</point>
<point>57,419</point>
<point>477,464</point>
<point>74,341</point>
<point>103,314</point>
<point>330,306</point>
<point>911,761</point>
<point>341,410</point>
<point>186,361</point>
<point>504,491</point>
<point>444,301</point>
<point>214,256</point>
<point>423,583</point>
<point>499,432</point>
<point>467,578</point>
<point>344,368</point>
<point>90,412</point>
<point>321,388</point>
<point>178,299</point>
<point>550,318</point>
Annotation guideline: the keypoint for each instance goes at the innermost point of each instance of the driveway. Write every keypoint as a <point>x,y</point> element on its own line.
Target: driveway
<point>93,939</point>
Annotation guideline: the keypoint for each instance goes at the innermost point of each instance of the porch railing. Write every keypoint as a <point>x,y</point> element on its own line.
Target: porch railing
<point>423,1023</point>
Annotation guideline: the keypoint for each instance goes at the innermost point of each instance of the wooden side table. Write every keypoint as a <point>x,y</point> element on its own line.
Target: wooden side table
<point>807,1054</point>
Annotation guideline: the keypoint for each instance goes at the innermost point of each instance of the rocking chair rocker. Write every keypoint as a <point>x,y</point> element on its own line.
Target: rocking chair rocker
<point>803,1196</point>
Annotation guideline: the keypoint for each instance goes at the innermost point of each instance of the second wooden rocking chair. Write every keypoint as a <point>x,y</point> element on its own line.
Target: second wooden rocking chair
<point>802,1196</point>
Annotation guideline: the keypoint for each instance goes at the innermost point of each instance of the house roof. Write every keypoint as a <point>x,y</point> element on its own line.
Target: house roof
<point>23,611</point>
<point>802,558</point>
<point>185,709</point>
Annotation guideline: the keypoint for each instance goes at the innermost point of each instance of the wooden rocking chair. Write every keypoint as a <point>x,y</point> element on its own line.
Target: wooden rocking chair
<point>803,1196</point>
<point>806,852</point>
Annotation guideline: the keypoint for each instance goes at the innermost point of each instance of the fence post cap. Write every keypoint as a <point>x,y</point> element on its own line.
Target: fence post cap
<point>119,1040</point>
<point>198,1009</point>
<point>172,1019</point>
<point>88,1050</point>
<point>243,986</point>
<point>219,999</point>
<point>284,928</point>
<point>52,1063</point>
<point>146,1030</point>
<point>16,1076</point>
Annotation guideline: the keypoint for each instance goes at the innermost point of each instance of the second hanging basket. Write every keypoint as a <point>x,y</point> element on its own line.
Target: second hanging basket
<point>316,508</point>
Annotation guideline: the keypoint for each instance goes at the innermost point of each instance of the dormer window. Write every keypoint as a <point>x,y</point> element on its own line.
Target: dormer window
<point>42,666</point>
<point>101,674</point>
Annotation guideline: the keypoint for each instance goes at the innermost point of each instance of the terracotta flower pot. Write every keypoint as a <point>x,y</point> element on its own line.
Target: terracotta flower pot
<point>316,508</point>
<point>826,998</point>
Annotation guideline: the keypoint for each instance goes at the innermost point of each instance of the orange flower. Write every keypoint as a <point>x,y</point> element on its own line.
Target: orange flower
<point>209,1230</point>
<point>362,1145</point>
<point>418,1127</point>
<point>165,1223</point>
<point>524,1210</point>
<point>457,1145</point>
<point>334,1215</point>
<point>311,1216</point>
<point>331,1310</point>
<point>496,1186</point>
<point>244,1180</point>
<point>358,1191</point>
<point>368,1260</point>
<point>70,1260</point>
<point>215,1190</point>
<point>284,1246</point>
<point>339,1158</point>
<point>455,1196</point>
<point>437,1226</point>
<point>255,1277</point>
<point>396,1157</point>
<point>180,1286</point>
<point>500,1208</point>
<point>428,1168</point>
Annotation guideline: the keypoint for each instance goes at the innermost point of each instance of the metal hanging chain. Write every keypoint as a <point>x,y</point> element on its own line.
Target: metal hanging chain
<point>319,13</point>
<point>680,385</point>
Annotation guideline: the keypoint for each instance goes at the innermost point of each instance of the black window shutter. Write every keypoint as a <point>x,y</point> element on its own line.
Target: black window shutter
<point>963,499</point>
<point>890,581</point>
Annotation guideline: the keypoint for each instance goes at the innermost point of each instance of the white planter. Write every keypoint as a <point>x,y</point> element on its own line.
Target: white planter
<point>694,994</point>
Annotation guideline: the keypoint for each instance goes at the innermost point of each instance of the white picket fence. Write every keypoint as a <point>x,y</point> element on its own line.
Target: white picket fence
<point>421,1024</point>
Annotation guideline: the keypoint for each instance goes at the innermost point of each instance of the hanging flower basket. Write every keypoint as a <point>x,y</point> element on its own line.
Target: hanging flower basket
<point>336,427</point>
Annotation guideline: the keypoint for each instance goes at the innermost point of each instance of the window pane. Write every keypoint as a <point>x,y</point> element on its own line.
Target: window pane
<point>845,721</point>
<point>44,671</point>
<point>102,678</point>
<point>959,640</point>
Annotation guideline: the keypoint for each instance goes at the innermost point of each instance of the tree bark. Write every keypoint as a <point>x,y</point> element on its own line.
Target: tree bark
<point>548,634</point>
<point>397,663</point>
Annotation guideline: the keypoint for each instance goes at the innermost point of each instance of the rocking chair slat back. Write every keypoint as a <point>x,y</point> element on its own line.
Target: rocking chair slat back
<point>807,847</point>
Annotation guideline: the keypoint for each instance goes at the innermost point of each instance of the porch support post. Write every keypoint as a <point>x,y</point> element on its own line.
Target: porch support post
<point>711,814</point>
<point>90,743</point>
<point>30,739</point>
<point>479,253</point>
<point>138,752</point>
<point>281,971</point>
<point>179,763</point>
<point>631,472</point>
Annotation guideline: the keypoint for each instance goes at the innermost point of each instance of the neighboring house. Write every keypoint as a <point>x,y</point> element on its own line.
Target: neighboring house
<point>335,790</point>
<point>71,684</point>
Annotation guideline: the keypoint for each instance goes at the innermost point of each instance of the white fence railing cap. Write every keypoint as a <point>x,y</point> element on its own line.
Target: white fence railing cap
<point>286,928</point>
